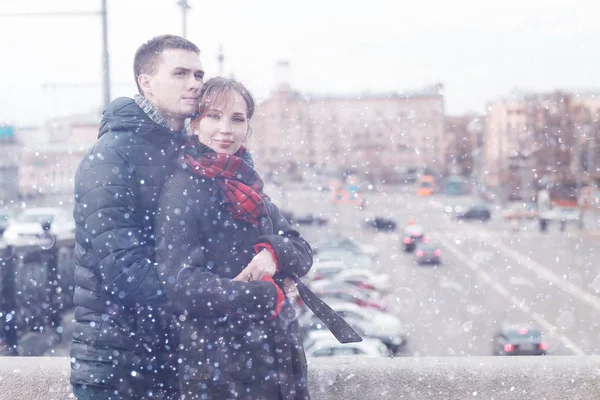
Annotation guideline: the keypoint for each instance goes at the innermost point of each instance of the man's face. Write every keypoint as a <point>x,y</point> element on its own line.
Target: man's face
<point>173,87</point>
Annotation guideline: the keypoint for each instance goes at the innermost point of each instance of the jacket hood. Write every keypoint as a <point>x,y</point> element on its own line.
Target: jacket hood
<point>123,114</point>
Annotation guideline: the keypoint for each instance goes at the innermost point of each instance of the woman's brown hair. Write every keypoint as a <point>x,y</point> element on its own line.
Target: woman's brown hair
<point>215,91</point>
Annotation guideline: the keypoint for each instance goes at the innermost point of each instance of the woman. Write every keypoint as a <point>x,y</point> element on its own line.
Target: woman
<point>224,253</point>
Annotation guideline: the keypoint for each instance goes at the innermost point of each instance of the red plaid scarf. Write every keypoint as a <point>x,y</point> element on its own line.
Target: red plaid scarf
<point>241,186</point>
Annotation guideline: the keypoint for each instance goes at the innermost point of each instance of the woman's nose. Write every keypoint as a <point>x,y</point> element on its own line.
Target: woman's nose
<point>226,127</point>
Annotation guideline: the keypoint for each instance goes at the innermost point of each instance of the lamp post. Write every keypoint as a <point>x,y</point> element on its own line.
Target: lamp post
<point>184,9</point>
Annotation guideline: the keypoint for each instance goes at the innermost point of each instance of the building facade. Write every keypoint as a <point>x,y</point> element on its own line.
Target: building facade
<point>372,135</point>
<point>530,137</point>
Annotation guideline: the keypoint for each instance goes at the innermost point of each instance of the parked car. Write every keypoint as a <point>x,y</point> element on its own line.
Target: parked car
<point>351,245</point>
<point>366,321</point>
<point>309,219</point>
<point>413,234</point>
<point>428,253</point>
<point>350,259</point>
<point>324,344</point>
<point>360,277</point>
<point>4,218</point>
<point>478,212</point>
<point>325,270</point>
<point>346,292</point>
<point>34,223</point>
<point>518,340</point>
<point>381,224</point>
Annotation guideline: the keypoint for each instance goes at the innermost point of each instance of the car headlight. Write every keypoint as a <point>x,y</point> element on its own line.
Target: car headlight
<point>396,340</point>
<point>10,236</point>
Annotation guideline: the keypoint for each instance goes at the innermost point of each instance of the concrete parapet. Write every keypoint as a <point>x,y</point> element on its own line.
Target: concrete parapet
<point>348,378</point>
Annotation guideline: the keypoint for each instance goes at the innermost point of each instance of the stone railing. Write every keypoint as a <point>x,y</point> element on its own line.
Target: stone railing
<point>348,378</point>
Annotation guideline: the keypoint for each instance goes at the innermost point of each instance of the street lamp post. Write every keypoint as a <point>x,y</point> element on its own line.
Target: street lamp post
<point>105,58</point>
<point>184,9</point>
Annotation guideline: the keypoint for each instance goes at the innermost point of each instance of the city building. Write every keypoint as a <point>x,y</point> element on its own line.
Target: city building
<point>373,135</point>
<point>43,160</point>
<point>462,144</point>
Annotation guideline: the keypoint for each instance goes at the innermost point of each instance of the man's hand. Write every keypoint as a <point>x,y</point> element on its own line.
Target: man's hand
<point>261,265</point>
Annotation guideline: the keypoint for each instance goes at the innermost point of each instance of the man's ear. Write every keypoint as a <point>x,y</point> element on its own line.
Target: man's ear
<point>145,82</point>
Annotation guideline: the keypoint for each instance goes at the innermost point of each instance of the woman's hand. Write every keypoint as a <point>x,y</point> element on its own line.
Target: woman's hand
<point>290,289</point>
<point>262,264</point>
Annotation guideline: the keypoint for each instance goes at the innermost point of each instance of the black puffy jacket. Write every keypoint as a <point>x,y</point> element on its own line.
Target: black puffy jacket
<point>120,341</point>
<point>226,341</point>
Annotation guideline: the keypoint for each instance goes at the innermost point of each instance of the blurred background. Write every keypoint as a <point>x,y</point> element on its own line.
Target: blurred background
<point>395,136</point>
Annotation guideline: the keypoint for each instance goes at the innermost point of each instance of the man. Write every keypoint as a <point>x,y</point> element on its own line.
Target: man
<point>121,348</point>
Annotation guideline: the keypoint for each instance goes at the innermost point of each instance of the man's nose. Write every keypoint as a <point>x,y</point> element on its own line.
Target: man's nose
<point>195,83</point>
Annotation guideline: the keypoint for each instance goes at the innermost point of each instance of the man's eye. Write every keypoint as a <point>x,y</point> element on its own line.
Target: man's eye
<point>179,73</point>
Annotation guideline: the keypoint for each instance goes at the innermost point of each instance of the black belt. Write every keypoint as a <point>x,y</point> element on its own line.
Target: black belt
<point>342,331</point>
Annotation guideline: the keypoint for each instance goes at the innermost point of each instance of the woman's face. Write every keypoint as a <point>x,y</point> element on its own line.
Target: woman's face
<point>224,126</point>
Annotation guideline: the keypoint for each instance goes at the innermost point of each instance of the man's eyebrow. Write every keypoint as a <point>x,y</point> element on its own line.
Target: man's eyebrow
<point>199,71</point>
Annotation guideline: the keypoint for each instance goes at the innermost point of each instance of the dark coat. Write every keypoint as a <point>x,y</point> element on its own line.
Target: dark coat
<point>119,340</point>
<point>227,344</point>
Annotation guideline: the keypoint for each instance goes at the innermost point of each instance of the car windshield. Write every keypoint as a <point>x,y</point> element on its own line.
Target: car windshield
<point>523,335</point>
<point>427,246</point>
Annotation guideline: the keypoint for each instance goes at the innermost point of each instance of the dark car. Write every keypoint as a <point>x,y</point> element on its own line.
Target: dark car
<point>304,219</point>
<point>519,340</point>
<point>413,234</point>
<point>478,212</point>
<point>428,253</point>
<point>4,217</point>
<point>381,224</point>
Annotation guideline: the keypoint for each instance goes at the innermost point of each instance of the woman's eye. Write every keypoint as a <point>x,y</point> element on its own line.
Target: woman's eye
<point>214,116</point>
<point>239,120</point>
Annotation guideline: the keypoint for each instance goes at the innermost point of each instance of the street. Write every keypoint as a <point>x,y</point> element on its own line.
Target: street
<point>489,273</point>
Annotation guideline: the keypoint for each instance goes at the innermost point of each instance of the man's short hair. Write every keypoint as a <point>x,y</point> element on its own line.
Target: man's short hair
<point>148,54</point>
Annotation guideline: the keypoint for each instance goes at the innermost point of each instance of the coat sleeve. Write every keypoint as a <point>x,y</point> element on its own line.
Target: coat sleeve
<point>110,228</point>
<point>293,253</point>
<point>189,285</point>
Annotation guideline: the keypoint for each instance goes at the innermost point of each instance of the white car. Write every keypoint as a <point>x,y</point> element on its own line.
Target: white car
<point>345,256</point>
<point>351,245</point>
<point>325,270</point>
<point>324,344</point>
<point>359,277</point>
<point>366,321</point>
<point>29,226</point>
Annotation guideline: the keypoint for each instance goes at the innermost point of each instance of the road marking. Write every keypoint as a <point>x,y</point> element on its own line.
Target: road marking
<point>543,272</point>
<point>519,303</point>
<point>517,281</point>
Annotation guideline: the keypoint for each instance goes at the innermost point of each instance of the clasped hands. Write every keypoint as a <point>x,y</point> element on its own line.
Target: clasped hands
<point>262,264</point>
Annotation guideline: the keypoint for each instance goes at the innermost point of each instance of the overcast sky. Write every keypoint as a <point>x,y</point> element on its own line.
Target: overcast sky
<point>479,51</point>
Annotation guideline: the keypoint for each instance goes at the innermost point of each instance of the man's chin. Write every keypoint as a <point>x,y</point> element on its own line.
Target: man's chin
<point>189,112</point>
